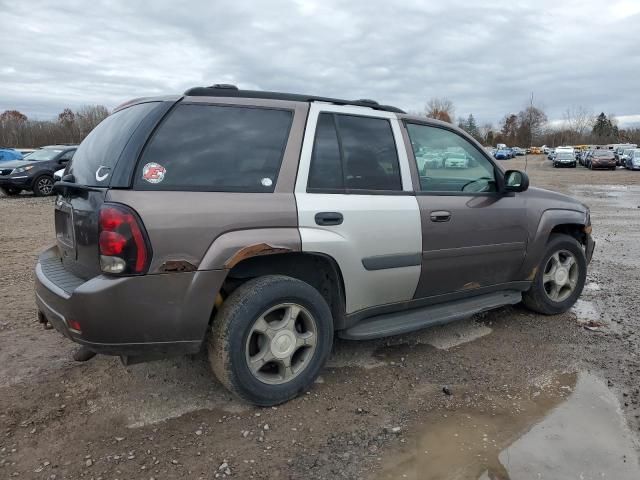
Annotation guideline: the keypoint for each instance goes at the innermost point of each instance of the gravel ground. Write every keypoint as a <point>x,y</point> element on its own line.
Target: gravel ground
<point>364,416</point>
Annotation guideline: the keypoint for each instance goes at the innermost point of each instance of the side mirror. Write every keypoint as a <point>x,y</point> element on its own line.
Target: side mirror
<point>63,161</point>
<point>515,181</point>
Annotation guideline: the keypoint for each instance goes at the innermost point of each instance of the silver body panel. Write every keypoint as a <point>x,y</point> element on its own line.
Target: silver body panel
<point>374,225</point>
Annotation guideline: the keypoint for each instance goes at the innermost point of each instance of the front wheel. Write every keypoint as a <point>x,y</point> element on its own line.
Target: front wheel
<point>270,339</point>
<point>560,279</point>
<point>43,186</point>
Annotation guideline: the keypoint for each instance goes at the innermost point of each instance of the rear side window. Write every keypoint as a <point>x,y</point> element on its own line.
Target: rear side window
<point>353,153</point>
<point>98,153</point>
<point>216,148</point>
<point>326,165</point>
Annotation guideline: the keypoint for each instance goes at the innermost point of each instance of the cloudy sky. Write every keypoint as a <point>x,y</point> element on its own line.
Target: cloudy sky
<point>487,57</point>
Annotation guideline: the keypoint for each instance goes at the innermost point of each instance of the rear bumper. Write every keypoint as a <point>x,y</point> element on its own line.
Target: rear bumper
<point>130,316</point>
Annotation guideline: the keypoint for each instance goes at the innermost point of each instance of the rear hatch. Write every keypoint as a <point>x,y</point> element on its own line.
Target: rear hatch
<point>104,160</point>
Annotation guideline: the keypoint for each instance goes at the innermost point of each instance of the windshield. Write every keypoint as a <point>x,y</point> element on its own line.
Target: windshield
<point>41,155</point>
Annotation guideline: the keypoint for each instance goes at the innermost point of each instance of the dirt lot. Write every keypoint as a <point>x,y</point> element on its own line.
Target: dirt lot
<point>526,396</point>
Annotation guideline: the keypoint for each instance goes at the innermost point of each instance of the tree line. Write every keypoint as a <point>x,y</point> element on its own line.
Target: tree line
<point>17,130</point>
<point>531,127</point>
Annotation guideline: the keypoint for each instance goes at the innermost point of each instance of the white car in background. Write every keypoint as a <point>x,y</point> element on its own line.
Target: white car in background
<point>456,160</point>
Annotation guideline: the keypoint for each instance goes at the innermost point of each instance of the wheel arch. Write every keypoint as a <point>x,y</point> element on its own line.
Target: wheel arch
<point>317,269</point>
<point>569,222</point>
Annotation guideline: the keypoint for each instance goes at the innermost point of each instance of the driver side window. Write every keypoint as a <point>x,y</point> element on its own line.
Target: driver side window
<point>447,162</point>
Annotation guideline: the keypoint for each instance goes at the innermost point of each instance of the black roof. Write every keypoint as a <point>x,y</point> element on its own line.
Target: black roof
<point>224,90</point>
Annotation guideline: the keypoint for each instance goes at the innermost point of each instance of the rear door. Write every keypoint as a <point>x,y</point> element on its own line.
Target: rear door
<point>356,203</point>
<point>94,162</point>
<point>473,237</point>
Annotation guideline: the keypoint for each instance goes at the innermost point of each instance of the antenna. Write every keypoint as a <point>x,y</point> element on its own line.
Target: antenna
<point>526,157</point>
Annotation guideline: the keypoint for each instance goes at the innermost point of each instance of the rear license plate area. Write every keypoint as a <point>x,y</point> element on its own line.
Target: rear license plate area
<point>64,226</point>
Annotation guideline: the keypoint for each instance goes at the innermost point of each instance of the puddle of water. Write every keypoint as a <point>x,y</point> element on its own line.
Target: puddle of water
<point>585,311</point>
<point>627,196</point>
<point>570,428</point>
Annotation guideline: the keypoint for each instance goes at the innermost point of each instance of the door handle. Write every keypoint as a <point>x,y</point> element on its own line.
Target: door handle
<point>440,216</point>
<point>329,218</point>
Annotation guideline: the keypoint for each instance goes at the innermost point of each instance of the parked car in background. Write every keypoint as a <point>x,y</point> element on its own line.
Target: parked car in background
<point>622,158</point>
<point>7,154</point>
<point>26,151</point>
<point>602,159</point>
<point>311,225</point>
<point>551,153</point>
<point>501,146</point>
<point>633,160</point>
<point>518,151</point>
<point>564,159</point>
<point>582,156</point>
<point>502,154</point>
<point>35,172</point>
<point>456,160</point>
<point>618,151</point>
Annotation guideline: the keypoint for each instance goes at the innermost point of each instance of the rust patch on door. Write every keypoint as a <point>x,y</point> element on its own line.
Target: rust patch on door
<point>254,251</point>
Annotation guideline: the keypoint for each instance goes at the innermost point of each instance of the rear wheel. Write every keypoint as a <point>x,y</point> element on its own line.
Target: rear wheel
<point>270,339</point>
<point>560,278</point>
<point>43,186</point>
<point>11,191</point>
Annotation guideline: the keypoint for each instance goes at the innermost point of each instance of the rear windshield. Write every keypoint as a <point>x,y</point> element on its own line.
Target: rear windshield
<point>98,153</point>
<point>216,148</point>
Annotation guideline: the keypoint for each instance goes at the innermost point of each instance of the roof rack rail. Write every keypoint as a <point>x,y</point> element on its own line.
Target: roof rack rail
<point>226,90</point>
<point>226,86</point>
<point>367,101</point>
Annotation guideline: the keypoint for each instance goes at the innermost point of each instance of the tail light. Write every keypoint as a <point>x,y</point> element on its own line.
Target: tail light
<point>124,246</point>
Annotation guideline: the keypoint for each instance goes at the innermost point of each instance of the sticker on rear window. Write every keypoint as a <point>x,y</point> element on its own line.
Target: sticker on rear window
<point>153,172</point>
<point>102,173</point>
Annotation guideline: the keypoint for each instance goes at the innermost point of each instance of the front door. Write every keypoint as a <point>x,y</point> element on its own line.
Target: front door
<point>356,203</point>
<point>473,237</point>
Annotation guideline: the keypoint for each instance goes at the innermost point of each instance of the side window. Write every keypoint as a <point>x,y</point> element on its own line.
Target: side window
<point>354,153</point>
<point>216,148</point>
<point>447,162</point>
<point>326,166</point>
<point>369,153</point>
<point>67,155</point>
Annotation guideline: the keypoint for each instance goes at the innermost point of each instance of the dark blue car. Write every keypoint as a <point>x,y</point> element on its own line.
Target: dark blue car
<point>502,154</point>
<point>9,154</point>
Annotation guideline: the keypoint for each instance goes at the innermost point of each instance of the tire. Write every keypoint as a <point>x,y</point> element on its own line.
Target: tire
<point>236,335</point>
<point>11,191</point>
<point>537,298</point>
<point>43,186</point>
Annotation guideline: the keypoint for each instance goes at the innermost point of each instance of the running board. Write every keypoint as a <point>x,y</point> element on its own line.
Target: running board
<point>409,320</point>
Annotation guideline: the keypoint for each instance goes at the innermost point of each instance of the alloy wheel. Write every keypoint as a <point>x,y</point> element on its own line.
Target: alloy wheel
<point>281,343</point>
<point>45,186</point>
<point>560,276</point>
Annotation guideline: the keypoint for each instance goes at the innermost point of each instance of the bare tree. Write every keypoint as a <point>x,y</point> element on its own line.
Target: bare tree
<point>440,109</point>
<point>16,130</point>
<point>579,121</point>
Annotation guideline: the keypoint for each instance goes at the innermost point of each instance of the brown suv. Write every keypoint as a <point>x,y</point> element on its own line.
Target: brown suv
<point>265,222</point>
